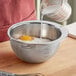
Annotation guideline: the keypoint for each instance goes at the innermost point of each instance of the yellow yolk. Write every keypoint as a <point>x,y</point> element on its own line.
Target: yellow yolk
<point>26,38</point>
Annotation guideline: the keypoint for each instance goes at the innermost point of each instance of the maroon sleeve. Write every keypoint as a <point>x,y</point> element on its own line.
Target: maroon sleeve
<point>13,11</point>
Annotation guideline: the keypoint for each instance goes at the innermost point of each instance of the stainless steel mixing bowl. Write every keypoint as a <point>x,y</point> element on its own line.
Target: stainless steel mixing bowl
<point>36,52</point>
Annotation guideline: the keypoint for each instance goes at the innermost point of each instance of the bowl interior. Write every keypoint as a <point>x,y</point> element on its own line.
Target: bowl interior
<point>49,31</point>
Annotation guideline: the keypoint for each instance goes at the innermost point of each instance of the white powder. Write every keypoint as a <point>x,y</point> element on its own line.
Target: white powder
<point>40,40</point>
<point>36,40</point>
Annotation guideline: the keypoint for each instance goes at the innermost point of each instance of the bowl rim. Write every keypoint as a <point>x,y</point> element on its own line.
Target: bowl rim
<point>63,30</point>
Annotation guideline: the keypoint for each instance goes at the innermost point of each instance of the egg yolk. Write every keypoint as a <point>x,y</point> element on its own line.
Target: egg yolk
<point>26,38</point>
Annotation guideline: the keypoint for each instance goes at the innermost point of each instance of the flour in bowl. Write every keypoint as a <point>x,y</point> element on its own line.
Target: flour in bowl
<point>31,39</point>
